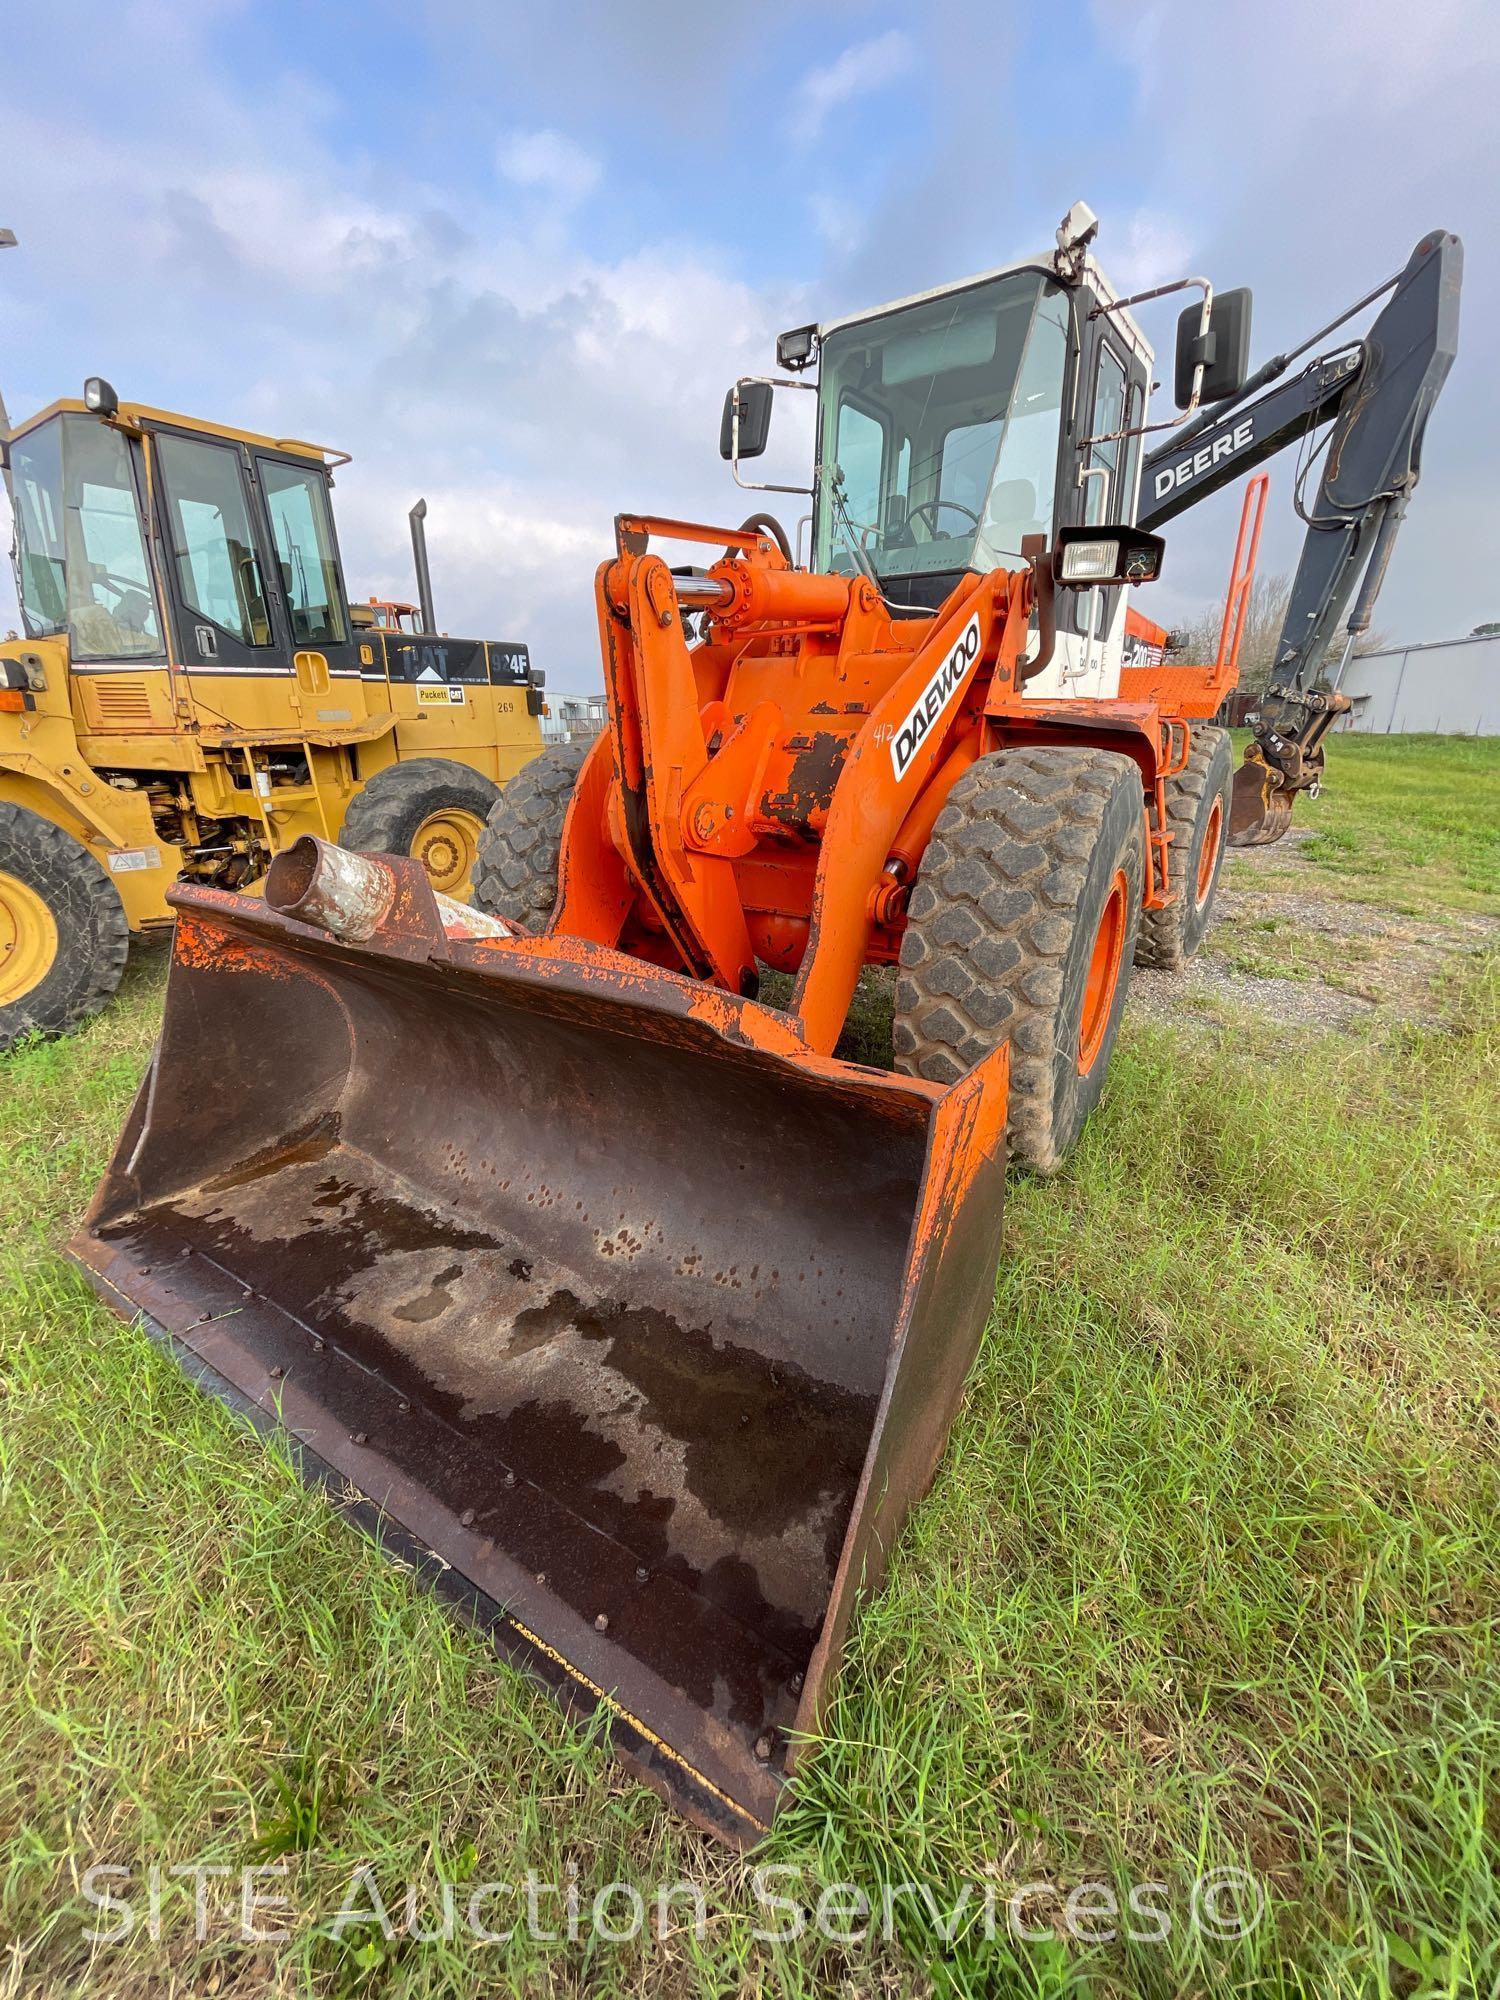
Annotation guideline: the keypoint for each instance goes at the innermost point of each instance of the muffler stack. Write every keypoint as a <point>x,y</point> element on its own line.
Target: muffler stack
<point>644,1320</point>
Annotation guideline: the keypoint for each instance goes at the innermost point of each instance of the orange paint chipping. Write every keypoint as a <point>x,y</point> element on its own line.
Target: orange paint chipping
<point>206,948</point>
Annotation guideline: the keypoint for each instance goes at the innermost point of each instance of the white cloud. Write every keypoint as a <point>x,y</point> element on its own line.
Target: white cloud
<point>862,68</point>
<point>1151,250</point>
<point>1334,138</point>
<point>552,164</point>
<point>460,348</point>
<point>839,223</point>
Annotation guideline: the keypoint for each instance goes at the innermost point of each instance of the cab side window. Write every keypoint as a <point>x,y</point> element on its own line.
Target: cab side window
<point>297,498</point>
<point>861,449</point>
<point>213,548</point>
<point>1105,497</point>
<point>967,462</point>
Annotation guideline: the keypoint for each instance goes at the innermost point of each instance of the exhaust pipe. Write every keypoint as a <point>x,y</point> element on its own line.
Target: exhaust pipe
<point>351,895</point>
<point>418,519</point>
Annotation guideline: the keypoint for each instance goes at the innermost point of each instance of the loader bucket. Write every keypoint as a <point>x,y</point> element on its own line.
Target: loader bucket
<point>632,1322</point>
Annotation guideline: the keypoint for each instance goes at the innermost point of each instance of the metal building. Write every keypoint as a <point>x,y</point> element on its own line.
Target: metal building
<point>1449,687</point>
<point>574,718</point>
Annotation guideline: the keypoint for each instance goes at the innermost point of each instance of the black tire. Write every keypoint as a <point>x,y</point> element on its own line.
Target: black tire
<point>1037,858</point>
<point>76,970</point>
<point>516,875</point>
<point>1169,938</point>
<point>401,810</point>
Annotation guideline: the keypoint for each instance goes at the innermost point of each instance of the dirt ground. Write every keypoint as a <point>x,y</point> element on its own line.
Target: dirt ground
<point>1283,945</point>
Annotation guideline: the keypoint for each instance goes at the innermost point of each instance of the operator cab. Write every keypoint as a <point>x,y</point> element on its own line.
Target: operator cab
<point>387,614</point>
<point>956,427</point>
<point>249,571</point>
<point>81,567</point>
<point>938,429</point>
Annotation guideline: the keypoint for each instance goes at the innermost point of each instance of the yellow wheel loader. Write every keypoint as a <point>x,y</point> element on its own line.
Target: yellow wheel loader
<point>193,692</point>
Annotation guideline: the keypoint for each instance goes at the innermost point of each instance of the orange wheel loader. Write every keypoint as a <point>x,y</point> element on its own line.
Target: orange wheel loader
<point>630,1309</point>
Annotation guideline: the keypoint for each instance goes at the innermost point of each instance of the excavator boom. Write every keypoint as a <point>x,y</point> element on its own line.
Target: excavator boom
<point>1377,393</point>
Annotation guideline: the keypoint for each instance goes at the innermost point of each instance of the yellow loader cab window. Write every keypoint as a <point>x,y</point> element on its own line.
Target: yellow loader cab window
<point>297,498</point>
<point>80,557</point>
<point>218,570</point>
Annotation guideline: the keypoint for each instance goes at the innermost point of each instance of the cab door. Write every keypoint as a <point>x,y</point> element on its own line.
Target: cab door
<point>216,572</point>
<point>310,597</point>
<point>1114,381</point>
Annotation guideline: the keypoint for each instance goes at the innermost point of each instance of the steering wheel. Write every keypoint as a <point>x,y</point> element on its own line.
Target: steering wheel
<point>934,508</point>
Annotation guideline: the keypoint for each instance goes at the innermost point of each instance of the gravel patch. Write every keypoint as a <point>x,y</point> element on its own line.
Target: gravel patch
<point>1208,985</point>
<point>1346,962</point>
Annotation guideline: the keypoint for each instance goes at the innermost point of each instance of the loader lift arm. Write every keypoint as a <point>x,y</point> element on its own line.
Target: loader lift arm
<point>1377,393</point>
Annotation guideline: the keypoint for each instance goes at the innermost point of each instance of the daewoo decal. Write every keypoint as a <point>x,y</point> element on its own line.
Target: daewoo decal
<point>934,698</point>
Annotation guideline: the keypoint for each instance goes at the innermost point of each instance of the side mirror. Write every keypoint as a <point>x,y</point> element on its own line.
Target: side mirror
<point>754,401</point>
<point>1083,558</point>
<point>1224,350</point>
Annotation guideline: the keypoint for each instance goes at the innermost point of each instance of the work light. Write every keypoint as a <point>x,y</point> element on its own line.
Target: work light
<point>795,349</point>
<point>1116,554</point>
<point>1089,562</point>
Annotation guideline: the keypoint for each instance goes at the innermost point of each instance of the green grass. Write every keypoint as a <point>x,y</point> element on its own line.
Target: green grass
<point>1210,1575</point>
<point>1410,822</point>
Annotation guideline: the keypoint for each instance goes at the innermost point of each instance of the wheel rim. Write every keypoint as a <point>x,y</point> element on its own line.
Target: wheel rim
<point>446,844</point>
<point>1208,859</point>
<point>28,939</point>
<point>1104,973</point>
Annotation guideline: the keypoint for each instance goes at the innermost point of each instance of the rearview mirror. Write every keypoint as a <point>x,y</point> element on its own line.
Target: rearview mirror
<point>1224,350</point>
<point>754,403</point>
<point>1083,558</point>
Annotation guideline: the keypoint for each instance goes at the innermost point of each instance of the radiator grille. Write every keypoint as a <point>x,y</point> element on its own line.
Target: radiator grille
<point>123,702</point>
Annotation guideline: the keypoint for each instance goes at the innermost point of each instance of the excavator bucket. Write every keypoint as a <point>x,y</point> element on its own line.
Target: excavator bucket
<point>1260,806</point>
<point>592,1290</point>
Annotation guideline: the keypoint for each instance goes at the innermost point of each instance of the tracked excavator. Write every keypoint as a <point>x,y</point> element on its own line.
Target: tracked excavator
<point>633,1312</point>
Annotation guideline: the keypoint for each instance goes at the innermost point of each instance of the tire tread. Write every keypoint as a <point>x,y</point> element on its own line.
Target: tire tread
<point>90,919</point>
<point>515,875</point>
<point>990,921</point>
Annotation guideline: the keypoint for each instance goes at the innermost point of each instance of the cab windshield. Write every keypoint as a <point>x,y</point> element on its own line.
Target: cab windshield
<point>938,431</point>
<point>81,564</point>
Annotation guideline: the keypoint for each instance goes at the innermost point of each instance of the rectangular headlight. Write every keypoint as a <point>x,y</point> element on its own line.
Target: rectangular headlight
<point>1089,562</point>
<point>795,349</point>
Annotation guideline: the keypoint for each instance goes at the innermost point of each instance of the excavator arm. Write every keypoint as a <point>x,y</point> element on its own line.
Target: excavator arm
<point>1377,393</point>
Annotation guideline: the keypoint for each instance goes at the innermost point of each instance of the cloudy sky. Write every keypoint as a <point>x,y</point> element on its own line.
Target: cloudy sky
<point>510,257</point>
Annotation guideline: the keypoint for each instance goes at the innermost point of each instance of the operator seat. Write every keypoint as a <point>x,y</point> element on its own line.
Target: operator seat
<point>1010,513</point>
<point>99,633</point>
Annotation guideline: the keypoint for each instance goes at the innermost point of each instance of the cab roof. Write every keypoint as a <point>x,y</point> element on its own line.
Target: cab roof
<point>142,415</point>
<point>1045,265</point>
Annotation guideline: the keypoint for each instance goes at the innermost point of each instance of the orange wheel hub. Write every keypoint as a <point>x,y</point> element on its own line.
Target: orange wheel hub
<point>1213,840</point>
<point>1104,972</point>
